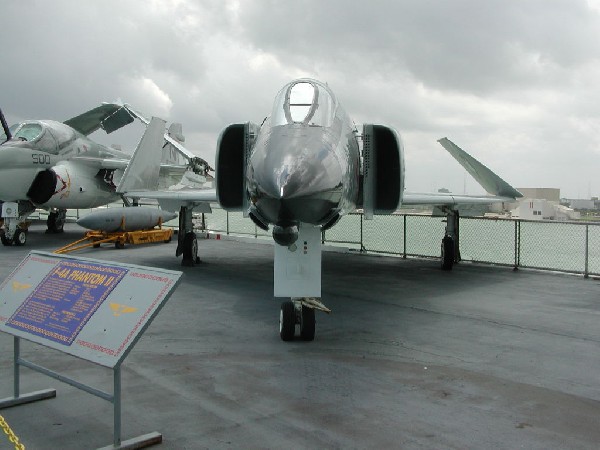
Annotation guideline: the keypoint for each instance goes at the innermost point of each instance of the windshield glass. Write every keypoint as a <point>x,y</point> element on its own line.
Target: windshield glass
<point>304,101</point>
<point>37,136</point>
<point>28,131</point>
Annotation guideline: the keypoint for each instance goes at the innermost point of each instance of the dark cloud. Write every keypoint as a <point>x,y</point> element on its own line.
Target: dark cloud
<point>515,82</point>
<point>463,44</point>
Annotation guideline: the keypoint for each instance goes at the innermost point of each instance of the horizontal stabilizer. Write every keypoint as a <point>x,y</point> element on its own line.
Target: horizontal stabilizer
<point>491,182</point>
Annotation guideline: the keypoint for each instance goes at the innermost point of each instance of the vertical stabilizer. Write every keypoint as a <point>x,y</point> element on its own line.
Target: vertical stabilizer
<point>143,169</point>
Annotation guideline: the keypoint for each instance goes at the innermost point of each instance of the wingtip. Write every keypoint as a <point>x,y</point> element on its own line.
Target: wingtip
<point>490,181</point>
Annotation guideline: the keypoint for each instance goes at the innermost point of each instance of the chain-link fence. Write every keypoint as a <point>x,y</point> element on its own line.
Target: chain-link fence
<point>572,247</point>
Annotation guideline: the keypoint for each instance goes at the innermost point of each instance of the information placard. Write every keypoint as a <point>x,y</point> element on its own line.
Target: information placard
<point>92,309</point>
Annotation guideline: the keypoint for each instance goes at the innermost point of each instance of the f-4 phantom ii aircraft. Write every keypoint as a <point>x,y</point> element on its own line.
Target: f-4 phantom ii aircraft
<point>55,166</point>
<point>300,172</point>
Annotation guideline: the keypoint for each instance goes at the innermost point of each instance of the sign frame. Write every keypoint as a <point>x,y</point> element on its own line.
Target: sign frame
<point>71,304</point>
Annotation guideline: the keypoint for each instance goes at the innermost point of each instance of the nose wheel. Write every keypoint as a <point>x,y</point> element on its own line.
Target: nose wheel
<point>299,312</point>
<point>19,238</point>
<point>287,321</point>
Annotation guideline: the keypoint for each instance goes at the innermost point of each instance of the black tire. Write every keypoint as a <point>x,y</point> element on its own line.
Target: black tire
<point>190,249</point>
<point>447,253</point>
<point>307,324</point>
<point>96,245</point>
<point>5,241</point>
<point>287,321</point>
<point>55,223</point>
<point>20,237</point>
<point>120,245</point>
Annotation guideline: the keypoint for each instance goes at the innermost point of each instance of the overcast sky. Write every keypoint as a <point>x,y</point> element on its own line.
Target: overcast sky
<point>514,82</point>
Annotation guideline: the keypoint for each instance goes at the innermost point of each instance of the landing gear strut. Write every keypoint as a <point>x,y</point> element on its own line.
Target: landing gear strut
<point>447,253</point>
<point>18,238</point>
<point>56,221</point>
<point>14,230</point>
<point>187,243</point>
<point>450,253</point>
<point>300,311</point>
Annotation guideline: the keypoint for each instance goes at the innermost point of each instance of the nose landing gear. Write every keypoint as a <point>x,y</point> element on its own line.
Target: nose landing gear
<point>299,311</point>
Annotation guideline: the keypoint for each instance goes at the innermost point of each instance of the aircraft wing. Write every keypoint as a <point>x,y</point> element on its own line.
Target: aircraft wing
<point>176,145</point>
<point>191,195</point>
<point>108,116</point>
<point>491,182</point>
<point>499,190</point>
<point>141,177</point>
<point>102,163</point>
<point>415,199</point>
<point>198,200</point>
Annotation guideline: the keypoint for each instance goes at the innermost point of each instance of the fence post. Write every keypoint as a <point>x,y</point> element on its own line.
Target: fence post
<point>586,274</point>
<point>517,244</point>
<point>404,239</point>
<point>227,215</point>
<point>362,247</point>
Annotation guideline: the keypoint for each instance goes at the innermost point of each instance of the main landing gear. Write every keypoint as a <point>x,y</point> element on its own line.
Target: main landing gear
<point>299,311</point>
<point>187,243</point>
<point>56,221</point>
<point>447,253</point>
<point>450,253</point>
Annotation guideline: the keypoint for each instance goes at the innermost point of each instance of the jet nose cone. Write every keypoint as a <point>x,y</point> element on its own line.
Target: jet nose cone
<point>286,178</point>
<point>303,189</point>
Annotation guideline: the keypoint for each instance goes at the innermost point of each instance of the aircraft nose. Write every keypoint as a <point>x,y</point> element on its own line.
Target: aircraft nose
<point>302,177</point>
<point>289,167</point>
<point>294,183</point>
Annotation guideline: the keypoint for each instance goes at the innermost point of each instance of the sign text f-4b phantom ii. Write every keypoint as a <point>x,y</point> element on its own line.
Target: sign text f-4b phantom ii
<point>303,169</point>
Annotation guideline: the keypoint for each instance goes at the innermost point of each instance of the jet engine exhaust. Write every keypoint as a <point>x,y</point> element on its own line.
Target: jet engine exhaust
<point>285,235</point>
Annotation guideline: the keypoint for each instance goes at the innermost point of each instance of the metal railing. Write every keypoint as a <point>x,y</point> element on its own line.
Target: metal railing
<point>571,247</point>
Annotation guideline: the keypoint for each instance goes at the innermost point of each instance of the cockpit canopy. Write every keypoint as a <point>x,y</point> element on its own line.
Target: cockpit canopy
<point>45,136</point>
<point>305,102</point>
<point>28,131</point>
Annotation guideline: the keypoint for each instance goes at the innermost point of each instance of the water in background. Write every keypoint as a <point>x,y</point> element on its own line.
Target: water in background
<point>557,246</point>
<point>561,246</point>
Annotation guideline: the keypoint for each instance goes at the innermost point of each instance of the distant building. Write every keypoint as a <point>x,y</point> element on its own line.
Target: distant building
<point>582,204</point>
<point>541,204</point>
<point>550,194</point>
<point>542,209</point>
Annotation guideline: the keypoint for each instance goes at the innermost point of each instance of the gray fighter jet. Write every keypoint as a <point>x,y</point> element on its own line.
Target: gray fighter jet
<point>299,172</point>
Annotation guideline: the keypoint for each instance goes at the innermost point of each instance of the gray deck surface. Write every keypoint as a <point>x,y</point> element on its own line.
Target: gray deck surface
<point>411,357</point>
